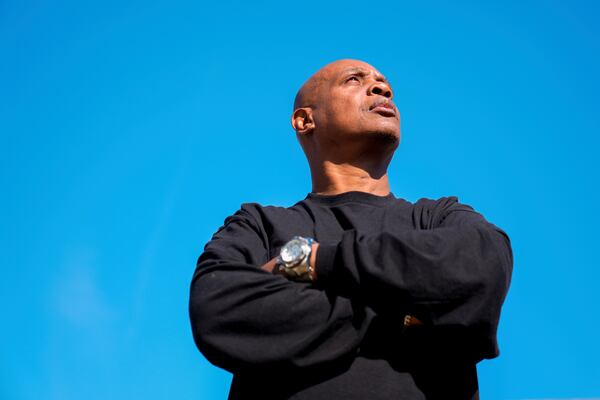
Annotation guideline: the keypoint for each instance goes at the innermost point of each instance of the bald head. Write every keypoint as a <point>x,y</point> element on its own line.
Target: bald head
<point>308,94</point>
<point>344,111</point>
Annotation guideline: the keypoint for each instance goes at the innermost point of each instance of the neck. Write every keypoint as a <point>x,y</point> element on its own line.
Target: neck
<point>331,178</point>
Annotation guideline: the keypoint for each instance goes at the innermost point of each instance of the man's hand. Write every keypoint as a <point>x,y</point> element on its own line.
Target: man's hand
<point>271,265</point>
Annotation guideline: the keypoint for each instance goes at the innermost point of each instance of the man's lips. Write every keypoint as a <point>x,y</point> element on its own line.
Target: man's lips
<point>383,108</point>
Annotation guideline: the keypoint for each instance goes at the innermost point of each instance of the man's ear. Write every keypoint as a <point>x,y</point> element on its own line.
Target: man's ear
<point>302,120</point>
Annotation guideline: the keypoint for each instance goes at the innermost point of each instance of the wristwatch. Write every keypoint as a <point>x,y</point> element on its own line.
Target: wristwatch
<point>293,261</point>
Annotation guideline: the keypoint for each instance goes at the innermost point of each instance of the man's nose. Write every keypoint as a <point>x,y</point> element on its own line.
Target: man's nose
<point>381,89</point>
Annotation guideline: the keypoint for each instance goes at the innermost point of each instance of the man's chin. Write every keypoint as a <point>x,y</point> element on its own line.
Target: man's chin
<point>386,137</point>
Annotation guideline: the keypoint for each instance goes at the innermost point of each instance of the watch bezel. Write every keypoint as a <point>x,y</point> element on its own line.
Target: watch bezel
<point>295,257</point>
<point>297,268</point>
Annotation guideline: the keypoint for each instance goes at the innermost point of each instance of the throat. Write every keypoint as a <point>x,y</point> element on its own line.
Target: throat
<point>331,178</point>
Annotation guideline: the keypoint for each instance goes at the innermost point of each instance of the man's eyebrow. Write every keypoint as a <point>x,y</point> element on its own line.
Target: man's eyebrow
<point>363,72</point>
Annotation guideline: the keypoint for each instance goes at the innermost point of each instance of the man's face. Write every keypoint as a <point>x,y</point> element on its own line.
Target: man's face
<point>355,99</point>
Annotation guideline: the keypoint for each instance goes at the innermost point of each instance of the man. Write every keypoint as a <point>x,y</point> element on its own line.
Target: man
<point>351,293</point>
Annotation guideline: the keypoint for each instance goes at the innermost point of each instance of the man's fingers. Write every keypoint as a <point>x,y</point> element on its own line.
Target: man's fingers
<point>270,265</point>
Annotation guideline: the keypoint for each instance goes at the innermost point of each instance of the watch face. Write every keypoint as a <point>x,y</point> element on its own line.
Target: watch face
<point>292,251</point>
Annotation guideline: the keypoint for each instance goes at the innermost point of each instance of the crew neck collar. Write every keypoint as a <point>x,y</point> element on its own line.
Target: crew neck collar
<point>352,197</point>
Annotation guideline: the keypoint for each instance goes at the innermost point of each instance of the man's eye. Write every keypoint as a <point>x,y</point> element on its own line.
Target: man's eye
<point>355,78</point>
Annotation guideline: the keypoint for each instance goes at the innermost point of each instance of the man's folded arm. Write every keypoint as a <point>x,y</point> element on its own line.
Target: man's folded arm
<point>455,275</point>
<point>244,317</point>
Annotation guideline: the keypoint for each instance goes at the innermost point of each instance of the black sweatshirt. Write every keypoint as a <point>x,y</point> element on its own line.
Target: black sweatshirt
<point>342,337</point>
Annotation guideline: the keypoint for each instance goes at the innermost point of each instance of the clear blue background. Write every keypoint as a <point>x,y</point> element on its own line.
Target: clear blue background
<point>129,131</point>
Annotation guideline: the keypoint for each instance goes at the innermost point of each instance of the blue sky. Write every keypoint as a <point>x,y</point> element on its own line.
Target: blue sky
<point>130,130</point>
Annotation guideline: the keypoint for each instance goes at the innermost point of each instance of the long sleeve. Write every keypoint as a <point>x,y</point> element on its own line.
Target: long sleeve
<point>245,318</point>
<point>454,275</point>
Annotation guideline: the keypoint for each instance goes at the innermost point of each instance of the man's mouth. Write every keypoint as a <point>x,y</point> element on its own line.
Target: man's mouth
<point>384,108</point>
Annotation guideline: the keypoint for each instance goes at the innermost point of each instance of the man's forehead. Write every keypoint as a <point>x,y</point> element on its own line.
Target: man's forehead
<point>363,71</point>
<point>329,74</point>
<point>344,67</point>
